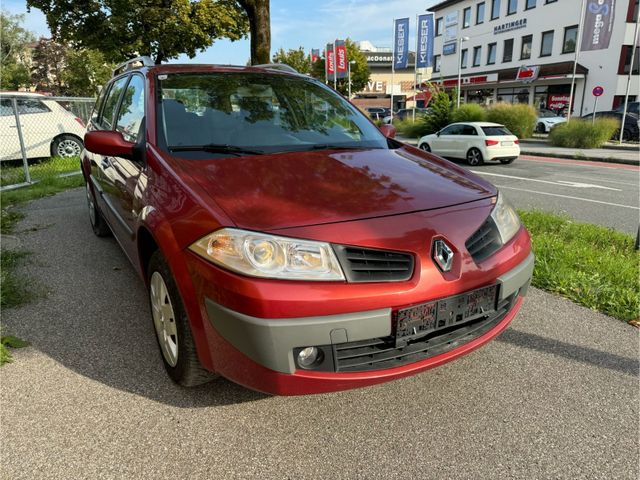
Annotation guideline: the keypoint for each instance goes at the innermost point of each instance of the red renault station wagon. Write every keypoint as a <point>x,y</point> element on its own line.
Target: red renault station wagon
<point>287,243</point>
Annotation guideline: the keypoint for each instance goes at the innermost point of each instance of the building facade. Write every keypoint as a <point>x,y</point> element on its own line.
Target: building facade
<point>523,51</point>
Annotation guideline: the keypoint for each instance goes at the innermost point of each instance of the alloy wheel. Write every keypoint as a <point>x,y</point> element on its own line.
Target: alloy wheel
<point>91,205</point>
<point>164,318</point>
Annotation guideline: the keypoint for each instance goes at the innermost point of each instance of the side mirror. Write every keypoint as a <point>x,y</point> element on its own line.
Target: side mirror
<point>108,143</point>
<point>388,131</point>
<point>437,134</point>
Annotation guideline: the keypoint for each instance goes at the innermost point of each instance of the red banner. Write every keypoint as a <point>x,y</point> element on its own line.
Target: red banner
<point>330,64</point>
<point>315,54</point>
<point>341,58</point>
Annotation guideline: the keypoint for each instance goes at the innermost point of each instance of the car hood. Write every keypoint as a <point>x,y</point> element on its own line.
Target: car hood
<point>269,192</point>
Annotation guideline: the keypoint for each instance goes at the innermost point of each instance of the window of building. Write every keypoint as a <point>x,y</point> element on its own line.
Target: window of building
<point>570,39</point>
<point>549,1</point>
<point>439,26</point>
<point>436,63</point>
<point>525,50</point>
<point>618,101</point>
<point>529,4</point>
<point>632,12</point>
<point>507,54</point>
<point>546,44</point>
<point>480,13</point>
<point>463,58</point>
<point>625,61</point>
<point>491,54</point>
<point>495,9</point>
<point>512,7</point>
<point>513,95</point>
<point>466,17</point>
<point>477,54</point>
<point>481,96</point>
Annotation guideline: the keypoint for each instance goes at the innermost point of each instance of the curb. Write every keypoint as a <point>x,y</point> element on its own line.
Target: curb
<point>622,148</point>
<point>622,161</point>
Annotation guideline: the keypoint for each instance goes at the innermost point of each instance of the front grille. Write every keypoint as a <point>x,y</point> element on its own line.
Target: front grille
<point>485,241</point>
<point>381,353</point>
<point>371,265</point>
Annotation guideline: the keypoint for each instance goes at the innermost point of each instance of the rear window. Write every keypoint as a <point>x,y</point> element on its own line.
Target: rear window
<point>491,131</point>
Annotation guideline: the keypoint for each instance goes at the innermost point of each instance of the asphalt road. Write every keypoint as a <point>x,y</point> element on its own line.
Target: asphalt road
<point>599,193</point>
<point>555,396</point>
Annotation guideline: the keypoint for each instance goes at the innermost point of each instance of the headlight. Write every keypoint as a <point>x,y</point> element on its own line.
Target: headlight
<point>269,256</point>
<point>506,219</point>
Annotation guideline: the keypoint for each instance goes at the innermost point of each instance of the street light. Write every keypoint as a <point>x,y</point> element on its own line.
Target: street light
<point>352,62</point>
<point>462,39</point>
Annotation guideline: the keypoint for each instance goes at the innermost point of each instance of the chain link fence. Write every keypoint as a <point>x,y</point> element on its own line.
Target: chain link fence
<point>40,137</point>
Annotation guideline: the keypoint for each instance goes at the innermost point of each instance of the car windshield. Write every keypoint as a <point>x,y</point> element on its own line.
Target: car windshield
<point>249,113</point>
<point>491,131</point>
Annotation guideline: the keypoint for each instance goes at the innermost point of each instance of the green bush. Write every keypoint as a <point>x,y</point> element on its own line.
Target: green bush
<point>583,134</point>
<point>439,117</point>
<point>520,119</point>
<point>469,112</point>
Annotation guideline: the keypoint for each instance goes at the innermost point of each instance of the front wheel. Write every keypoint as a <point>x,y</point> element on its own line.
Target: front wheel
<point>474,157</point>
<point>98,223</point>
<point>172,326</point>
<point>66,146</point>
<point>540,128</point>
<point>425,147</point>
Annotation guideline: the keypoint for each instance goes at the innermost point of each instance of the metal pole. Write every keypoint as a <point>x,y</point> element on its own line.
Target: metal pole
<point>23,150</point>
<point>393,64</point>
<point>626,95</point>
<point>349,72</point>
<point>575,60</point>
<point>335,67</point>
<point>459,69</point>
<point>415,69</point>
<point>595,109</point>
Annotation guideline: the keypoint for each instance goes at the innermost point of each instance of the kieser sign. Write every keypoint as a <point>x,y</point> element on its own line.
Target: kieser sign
<point>598,24</point>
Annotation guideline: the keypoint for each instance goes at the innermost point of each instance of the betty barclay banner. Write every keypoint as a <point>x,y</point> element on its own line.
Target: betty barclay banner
<point>598,24</point>
<point>315,55</point>
<point>401,44</point>
<point>425,41</point>
<point>341,59</point>
<point>330,63</point>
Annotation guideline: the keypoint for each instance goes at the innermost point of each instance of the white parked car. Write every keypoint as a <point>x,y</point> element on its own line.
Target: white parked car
<point>48,128</point>
<point>547,119</point>
<point>476,142</point>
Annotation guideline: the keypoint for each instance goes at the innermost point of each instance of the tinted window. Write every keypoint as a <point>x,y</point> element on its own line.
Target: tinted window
<point>490,131</point>
<point>469,130</point>
<point>269,113</point>
<point>451,130</point>
<point>131,111</point>
<point>111,102</point>
<point>30,105</point>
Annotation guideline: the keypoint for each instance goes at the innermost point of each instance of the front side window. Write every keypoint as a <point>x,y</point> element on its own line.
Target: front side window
<point>439,26</point>
<point>111,102</point>
<point>201,112</point>
<point>466,17</point>
<point>495,9</point>
<point>452,130</point>
<point>463,58</point>
<point>512,7</point>
<point>507,54</point>
<point>477,54</point>
<point>480,13</point>
<point>570,39</point>
<point>546,44</point>
<point>491,54</point>
<point>131,111</point>
<point>98,104</point>
<point>525,50</point>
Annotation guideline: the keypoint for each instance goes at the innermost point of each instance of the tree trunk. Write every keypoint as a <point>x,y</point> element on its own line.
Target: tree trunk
<point>260,27</point>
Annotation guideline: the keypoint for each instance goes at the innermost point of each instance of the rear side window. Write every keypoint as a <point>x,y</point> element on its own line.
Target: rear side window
<point>491,131</point>
<point>111,102</point>
<point>131,111</point>
<point>6,108</point>
<point>469,130</point>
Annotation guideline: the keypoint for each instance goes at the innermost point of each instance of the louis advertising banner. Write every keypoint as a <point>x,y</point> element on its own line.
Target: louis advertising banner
<point>330,63</point>
<point>401,44</point>
<point>341,59</point>
<point>424,57</point>
<point>598,24</point>
<point>315,55</point>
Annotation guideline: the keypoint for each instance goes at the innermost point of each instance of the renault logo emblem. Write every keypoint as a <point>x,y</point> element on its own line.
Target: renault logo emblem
<point>443,255</point>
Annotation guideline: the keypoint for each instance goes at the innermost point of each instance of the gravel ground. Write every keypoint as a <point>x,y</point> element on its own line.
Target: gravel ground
<point>555,396</point>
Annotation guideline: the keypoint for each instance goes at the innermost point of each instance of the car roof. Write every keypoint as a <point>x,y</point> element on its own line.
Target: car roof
<point>479,124</point>
<point>209,68</point>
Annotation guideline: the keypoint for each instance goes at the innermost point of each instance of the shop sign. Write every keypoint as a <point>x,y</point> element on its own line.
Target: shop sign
<point>509,26</point>
<point>450,33</point>
<point>449,48</point>
<point>451,19</point>
<point>527,74</point>
<point>378,57</point>
<point>375,87</point>
<point>556,102</point>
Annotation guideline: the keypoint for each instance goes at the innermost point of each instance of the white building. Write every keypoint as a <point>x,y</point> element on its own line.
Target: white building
<point>504,35</point>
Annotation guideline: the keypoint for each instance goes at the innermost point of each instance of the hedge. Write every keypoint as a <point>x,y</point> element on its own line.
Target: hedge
<point>520,119</point>
<point>580,133</point>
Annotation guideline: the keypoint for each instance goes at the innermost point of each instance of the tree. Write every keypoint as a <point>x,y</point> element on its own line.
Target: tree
<point>161,29</point>
<point>296,58</point>
<point>360,72</point>
<point>87,71</point>
<point>49,62</point>
<point>14,56</point>
<point>260,24</point>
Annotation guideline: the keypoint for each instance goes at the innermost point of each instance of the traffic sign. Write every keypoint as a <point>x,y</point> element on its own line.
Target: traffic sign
<point>597,91</point>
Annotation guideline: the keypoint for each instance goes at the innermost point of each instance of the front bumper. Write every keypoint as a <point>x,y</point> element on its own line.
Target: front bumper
<point>266,345</point>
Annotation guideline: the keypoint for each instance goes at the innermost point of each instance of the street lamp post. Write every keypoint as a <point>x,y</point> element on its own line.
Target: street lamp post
<point>462,39</point>
<point>352,62</point>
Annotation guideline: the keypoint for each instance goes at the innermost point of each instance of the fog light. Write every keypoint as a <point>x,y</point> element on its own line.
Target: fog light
<point>307,357</point>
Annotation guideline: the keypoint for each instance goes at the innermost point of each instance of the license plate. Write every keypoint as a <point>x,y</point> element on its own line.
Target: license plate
<point>506,144</point>
<point>419,320</point>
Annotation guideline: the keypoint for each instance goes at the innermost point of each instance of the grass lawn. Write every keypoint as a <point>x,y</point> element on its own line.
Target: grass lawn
<point>13,172</point>
<point>594,266</point>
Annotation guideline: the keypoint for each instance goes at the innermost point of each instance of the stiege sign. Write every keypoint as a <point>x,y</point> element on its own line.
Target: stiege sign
<point>341,59</point>
<point>401,44</point>
<point>598,24</point>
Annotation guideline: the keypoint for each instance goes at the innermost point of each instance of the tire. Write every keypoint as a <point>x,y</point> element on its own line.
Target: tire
<point>540,128</point>
<point>474,157</point>
<point>171,325</point>
<point>506,161</point>
<point>66,146</point>
<point>425,147</point>
<point>98,223</point>
<point>626,135</point>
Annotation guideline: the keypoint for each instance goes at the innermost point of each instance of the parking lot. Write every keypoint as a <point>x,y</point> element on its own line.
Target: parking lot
<point>555,396</point>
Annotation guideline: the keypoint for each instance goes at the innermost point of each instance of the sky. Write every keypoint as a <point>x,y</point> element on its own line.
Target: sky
<point>294,23</point>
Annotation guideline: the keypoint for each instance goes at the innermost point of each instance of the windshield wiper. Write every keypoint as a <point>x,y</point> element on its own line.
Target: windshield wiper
<point>215,148</point>
<point>327,146</point>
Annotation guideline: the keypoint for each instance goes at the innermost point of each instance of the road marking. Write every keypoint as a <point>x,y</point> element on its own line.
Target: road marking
<point>568,196</point>
<point>585,163</point>
<point>561,183</point>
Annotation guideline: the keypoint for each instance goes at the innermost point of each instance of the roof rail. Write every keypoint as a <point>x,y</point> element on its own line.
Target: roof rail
<point>133,63</point>
<point>282,67</point>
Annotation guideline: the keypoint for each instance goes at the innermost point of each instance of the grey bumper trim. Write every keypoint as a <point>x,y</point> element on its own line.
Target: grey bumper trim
<point>270,342</point>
